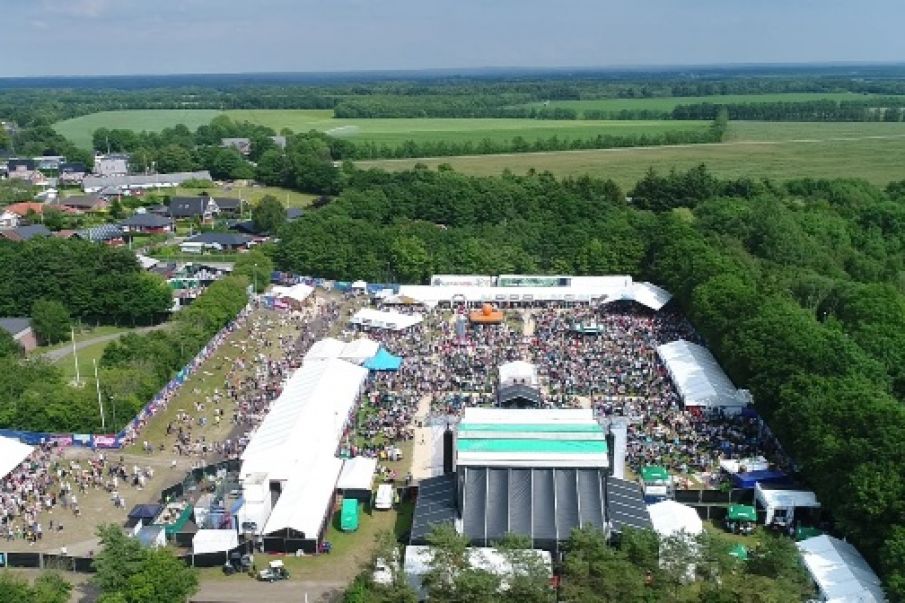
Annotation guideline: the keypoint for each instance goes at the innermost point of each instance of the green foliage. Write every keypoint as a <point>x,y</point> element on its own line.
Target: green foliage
<point>8,345</point>
<point>256,266</point>
<point>50,320</point>
<point>128,572</point>
<point>48,587</point>
<point>268,215</point>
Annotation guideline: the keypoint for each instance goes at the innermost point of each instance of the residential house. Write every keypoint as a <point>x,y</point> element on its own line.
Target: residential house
<point>248,226</point>
<point>243,145</point>
<point>25,233</point>
<point>21,169</point>
<point>20,329</point>
<point>9,219</point>
<point>111,234</point>
<point>111,165</point>
<point>229,206</point>
<point>219,241</point>
<point>280,141</point>
<point>147,224</point>
<point>72,173</point>
<point>204,208</point>
<point>84,203</point>
<point>26,207</point>
<point>49,162</point>
<point>141,181</point>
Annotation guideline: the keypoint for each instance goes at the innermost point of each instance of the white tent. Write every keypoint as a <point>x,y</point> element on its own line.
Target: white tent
<point>214,541</point>
<point>840,572</point>
<point>306,421</point>
<point>384,319</point>
<point>296,293</point>
<point>670,517</point>
<point>305,501</point>
<point>418,558</point>
<point>361,285</point>
<point>779,499</point>
<point>699,378</point>
<point>359,350</point>
<point>325,349</point>
<point>152,537</point>
<point>12,453</point>
<point>357,474</point>
<point>647,294</point>
<point>518,371</point>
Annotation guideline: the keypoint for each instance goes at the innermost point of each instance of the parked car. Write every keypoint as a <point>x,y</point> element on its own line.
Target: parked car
<point>273,572</point>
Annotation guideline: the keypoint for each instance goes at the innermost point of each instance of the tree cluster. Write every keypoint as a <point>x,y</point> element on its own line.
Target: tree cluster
<point>48,587</point>
<point>867,109</point>
<point>95,283</point>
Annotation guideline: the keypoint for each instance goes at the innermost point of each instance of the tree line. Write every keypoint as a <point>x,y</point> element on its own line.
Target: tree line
<point>35,396</point>
<point>870,109</point>
<point>798,288</point>
<point>640,567</point>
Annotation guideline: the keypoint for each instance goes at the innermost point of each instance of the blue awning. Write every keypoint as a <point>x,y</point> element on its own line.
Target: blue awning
<point>383,361</point>
<point>747,480</point>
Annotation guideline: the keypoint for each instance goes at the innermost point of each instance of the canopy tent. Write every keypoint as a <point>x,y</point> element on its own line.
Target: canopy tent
<point>383,361</point>
<point>733,466</point>
<point>840,572</point>
<point>670,517</point>
<point>297,293</point>
<point>348,515</point>
<point>359,350</point>
<point>306,421</point>
<point>385,319</point>
<point>305,502</point>
<point>747,480</point>
<point>153,536</point>
<point>357,474</point>
<point>653,474</point>
<point>741,513</point>
<point>518,371</point>
<point>699,379</point>
<point>361,285</point>
<point>739,551</point>
<point>214,541</point>
<point>325,349</point>
<point>783,500</point>
<point>12,453</point>
<point>646,294</point>
<point>145,513</point>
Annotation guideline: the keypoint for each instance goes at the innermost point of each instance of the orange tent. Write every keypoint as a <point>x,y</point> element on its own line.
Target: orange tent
<point>487,315</point>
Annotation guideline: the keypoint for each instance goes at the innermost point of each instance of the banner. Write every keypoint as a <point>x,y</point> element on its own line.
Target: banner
<point>105,441</point>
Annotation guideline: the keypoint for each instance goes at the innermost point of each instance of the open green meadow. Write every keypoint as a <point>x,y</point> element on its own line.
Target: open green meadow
<point>80,129</point>
<point>394,132</point>
<point>780,151</point>
<point>668,103</point>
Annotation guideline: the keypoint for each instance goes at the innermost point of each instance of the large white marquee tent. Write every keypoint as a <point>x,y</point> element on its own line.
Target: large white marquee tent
<point>698,377</point>
<point>840,572</point>
<point>306,421</point>
<point>670,518</point>
<point>12,453</point>
<point>384,319</point>
<point>355,351</point>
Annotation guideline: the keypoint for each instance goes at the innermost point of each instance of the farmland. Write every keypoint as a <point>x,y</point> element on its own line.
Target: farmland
<point>80,129</point>
<point>780,151</point>
<point>669,102</point>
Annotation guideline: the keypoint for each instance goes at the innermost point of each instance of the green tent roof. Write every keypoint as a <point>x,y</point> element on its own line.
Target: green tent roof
<point>742,513</point>
<point>654,473</point>
<point>739,551</point>
<point>533,428</point>
<point>536,446</point>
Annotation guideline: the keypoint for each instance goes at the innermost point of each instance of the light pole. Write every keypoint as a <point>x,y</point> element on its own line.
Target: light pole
<point>255,272</point>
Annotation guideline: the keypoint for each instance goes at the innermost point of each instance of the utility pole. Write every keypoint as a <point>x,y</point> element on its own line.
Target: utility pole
<point>100,404</point>
<point>78,376</point>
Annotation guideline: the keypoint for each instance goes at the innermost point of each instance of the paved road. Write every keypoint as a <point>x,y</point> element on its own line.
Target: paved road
<point>55,355</point>
<point>241,589</point>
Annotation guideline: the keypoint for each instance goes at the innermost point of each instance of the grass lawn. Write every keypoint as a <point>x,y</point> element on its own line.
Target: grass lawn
<point>85,356</point>
<point>81,334</point>
<point>80,129</point>
<point>667,103</point>
<point>394,132</point>
<point>780,151</point>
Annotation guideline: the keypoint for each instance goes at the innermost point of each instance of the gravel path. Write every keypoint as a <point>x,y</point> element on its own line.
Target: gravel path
<point>56,355</point>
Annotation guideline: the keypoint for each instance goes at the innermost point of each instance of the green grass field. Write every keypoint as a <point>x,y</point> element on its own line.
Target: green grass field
<point>80,129</point>
<point>86,356</point>
<point>780,151</point>
<point>667,103</point>
<point>396,131</point>
<point>251,194</point>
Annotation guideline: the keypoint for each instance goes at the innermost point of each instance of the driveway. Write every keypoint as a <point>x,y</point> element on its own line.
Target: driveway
<point>240,589</point>
<point>55,355</point>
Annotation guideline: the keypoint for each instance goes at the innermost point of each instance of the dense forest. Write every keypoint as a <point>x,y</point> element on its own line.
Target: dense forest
<point>799,289</point>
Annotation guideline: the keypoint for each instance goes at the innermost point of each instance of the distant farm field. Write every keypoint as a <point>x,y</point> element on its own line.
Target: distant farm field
<point>80,129</point>
<point>781,151</point>
<point>668,103</point>
<point>394,132</point>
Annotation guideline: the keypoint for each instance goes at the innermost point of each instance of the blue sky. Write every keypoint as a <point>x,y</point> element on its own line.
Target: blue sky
<point>94,37</point>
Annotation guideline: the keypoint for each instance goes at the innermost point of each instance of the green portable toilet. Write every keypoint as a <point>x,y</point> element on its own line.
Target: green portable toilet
<point>348,515</point>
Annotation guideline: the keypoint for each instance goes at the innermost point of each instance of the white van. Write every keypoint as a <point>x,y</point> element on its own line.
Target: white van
<point>384,499</point>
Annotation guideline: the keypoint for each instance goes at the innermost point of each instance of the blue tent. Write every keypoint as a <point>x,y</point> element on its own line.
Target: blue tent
<point>383,361</point>
<point>747,480</point>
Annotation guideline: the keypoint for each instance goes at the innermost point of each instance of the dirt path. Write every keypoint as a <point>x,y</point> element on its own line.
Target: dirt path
<point>423,449</point>
<point>56,355</point>
<point>240,589</point>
